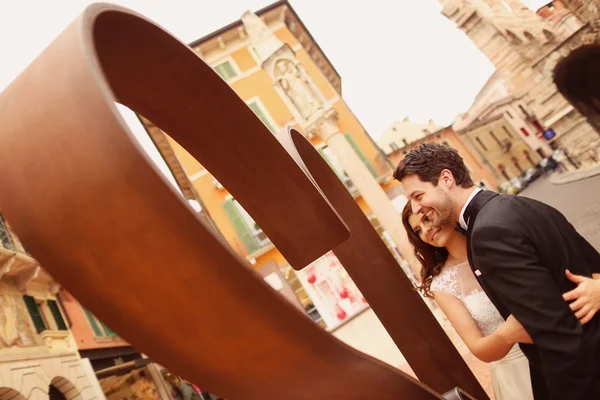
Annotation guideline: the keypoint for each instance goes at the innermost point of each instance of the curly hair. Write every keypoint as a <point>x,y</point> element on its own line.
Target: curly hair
<point>431,258</point>
<point>428,160</point>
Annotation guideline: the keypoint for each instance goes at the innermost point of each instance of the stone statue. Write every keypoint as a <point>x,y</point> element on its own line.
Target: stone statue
<point>298,89</point>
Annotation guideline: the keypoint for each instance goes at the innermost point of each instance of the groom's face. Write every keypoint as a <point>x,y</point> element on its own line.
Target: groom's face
<point>432,201</point>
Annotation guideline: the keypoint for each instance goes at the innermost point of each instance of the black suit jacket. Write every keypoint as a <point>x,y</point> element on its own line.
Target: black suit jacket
<point>519,249</point>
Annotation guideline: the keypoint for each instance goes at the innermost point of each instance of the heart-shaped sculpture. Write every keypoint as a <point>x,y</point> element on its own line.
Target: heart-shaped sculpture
<point>98,215</point>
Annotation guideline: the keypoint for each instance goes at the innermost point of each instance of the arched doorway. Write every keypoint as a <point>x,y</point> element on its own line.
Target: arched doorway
<point>55,394</point>
<point>10,394</point>
<point>576,77</point>
<point>62,389</point>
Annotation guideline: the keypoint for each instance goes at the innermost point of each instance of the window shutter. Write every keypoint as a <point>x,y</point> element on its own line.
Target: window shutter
<point>108,331</point>
<point>5,238</point>
<point>35,313</point>
<point>60,322</point>
<point>240,226</point>
<point>226,70</point>
<point>261,115</point>
<point>92,320</point>
<point>322,153</point>
<point>361,155</point>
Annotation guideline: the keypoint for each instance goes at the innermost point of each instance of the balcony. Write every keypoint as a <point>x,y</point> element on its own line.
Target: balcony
<point>252,247</point>
<point>14,260</point>
<point>58,341</point>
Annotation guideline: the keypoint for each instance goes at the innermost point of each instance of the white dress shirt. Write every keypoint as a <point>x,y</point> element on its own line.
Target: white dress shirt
<point>461,219</point>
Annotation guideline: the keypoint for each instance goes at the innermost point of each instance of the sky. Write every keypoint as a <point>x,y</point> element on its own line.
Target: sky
<point>396,58</point>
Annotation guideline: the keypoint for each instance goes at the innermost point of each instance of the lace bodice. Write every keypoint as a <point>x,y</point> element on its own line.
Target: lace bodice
<point>460,282</point>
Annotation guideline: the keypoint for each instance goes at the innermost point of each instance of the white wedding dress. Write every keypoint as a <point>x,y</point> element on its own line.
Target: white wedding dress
<point>510,375</point>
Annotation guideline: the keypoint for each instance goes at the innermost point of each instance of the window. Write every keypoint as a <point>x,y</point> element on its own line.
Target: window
<point>331,159</point>
<point>515,161</point>
<point>549,35</point>
<point>40,311</point>
<point>509,114</point>
<point>250,235</point>
<point>5,238</point>
<point>493,135</point>
<point>481,143</point>
<point>541,152</point>
<point>255,55</point>
<point>100,330</point>
<point>445,143</point>
<point>262,114</point>
<point>502,170</point>
<point>394,146</point>
<point>36,314</point>
<point>514,39</point>
<point>524,131</point>
<point>528,36</point>
<point>507,131</point>
<point>525,113</point>
<point>56,314</point>
<point>226,70</point>
<point>361,155</point>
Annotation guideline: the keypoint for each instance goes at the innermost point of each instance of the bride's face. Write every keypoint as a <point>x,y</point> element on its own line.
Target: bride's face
<point>435,236</point>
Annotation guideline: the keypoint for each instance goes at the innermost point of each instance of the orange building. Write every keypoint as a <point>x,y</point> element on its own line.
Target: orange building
<point>274,64</point>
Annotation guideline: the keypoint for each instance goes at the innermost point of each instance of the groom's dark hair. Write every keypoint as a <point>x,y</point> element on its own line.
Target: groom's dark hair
<point>428,160</point>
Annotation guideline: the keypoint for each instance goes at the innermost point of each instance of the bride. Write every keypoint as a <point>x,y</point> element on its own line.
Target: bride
<point>447,278</point>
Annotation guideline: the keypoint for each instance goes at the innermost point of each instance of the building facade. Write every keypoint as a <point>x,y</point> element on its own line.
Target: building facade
<point>274,64</point>
<point>476,164</point>
<point>120,370</point>
<point>38,353</point>
<point>505,137</point>
<point>578,66</point>
<point>525,47</point>
<point>400,133</point>
<point>501,147</point>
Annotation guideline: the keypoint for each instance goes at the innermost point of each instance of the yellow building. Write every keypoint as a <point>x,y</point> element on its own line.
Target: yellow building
<point>501,147</point>
<point>38,353</point>
<point>273,63</point>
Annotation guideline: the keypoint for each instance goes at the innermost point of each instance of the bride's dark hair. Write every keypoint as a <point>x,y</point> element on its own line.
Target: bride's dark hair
<point>431,258</point>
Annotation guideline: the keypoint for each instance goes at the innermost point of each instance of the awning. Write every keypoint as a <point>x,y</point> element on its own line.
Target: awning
<point>122,368</point>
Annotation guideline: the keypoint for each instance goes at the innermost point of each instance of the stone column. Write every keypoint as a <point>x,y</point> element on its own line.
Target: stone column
<point>368,187</point>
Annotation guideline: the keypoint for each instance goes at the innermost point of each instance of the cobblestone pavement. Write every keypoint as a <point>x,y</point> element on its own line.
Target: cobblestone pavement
<point>580,203</point>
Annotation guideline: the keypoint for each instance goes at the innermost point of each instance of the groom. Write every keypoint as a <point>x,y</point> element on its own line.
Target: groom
<point>518,249</point>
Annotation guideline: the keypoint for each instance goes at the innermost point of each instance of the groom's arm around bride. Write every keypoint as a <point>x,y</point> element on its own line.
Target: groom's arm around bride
<point>521,248</point>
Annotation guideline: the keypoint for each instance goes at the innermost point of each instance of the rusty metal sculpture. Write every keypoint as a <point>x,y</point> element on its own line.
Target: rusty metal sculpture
<point>97,214</point>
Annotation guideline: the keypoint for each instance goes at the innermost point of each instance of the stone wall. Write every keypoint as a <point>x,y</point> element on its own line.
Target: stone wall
<point>31,377</point>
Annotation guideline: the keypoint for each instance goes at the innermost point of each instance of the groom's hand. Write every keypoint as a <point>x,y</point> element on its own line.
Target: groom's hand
<point>585,297</point>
